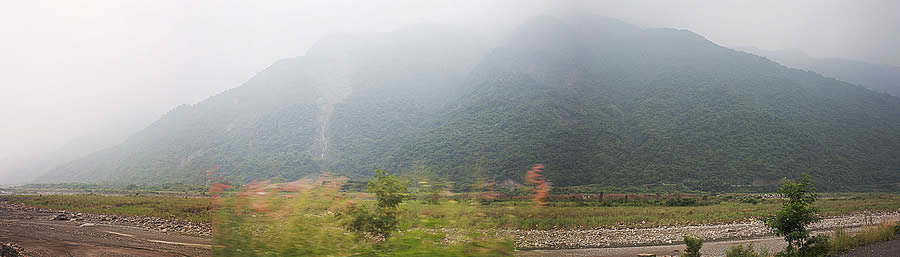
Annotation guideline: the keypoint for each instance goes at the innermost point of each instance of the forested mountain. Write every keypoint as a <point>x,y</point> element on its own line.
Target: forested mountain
<point>596,100</point>
<point>347,97</point>
<point>877,77</point>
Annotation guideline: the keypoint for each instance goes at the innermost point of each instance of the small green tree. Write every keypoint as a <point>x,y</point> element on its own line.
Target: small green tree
<point>793,220</point>
<point>389,192</point>
<point>693,246</point>
<point>435,191</point>
<point>388,189</point>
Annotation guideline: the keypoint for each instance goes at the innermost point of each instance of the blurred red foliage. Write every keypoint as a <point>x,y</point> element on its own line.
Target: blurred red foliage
<point>541,188</point>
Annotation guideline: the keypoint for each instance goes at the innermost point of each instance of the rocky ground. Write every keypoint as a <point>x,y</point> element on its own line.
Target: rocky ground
<point>750,229</point>
<point>10,250</point>
<point>149,223</point>
<point>44,232</point>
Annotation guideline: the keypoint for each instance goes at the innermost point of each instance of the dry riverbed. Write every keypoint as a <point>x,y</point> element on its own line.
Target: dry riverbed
<point>44,232</point>
<point>750,229</point>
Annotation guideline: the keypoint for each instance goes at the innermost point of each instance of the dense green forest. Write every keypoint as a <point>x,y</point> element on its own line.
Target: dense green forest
<point>596,100</point>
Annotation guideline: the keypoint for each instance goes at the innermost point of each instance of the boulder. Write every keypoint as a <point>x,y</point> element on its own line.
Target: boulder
<point>10,250</point>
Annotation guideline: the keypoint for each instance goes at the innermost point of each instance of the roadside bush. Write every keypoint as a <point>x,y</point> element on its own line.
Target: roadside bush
<point>816,246</point>
<point>693,246</point>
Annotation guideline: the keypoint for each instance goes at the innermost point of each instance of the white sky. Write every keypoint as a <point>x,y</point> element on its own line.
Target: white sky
<point>70,68</point>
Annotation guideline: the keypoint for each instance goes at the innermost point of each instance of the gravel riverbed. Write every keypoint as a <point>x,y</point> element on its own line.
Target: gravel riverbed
<point>596,238</point>
<point>148,223</point>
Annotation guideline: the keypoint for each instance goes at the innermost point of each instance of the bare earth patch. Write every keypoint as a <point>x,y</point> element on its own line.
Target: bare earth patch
<point>38,232</point>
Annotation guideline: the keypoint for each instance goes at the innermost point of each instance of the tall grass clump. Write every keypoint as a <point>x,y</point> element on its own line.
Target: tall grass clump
<point>841,240</point>
<point>748,251</point>
<point>877,233</point>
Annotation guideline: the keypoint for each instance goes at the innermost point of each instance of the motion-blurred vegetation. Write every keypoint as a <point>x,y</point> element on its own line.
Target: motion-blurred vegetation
<point>314,218</point>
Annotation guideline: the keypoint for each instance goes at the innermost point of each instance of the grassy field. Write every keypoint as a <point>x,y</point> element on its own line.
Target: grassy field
<point>193,209</point>
<point>462,214</point>
<point>524,215</point>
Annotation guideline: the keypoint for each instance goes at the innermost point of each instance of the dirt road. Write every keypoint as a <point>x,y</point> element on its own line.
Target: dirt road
<point>39,235</point>
<point>879,249</point>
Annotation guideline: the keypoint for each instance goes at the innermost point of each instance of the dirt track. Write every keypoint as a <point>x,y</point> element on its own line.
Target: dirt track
<point>39,235</point>
<point>887,249</point>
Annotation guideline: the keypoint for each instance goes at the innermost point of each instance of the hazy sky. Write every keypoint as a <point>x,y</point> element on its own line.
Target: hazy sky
<point>71,68</point>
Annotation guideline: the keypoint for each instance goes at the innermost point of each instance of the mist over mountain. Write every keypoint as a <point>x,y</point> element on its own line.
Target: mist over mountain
<point>877,77</point>
<point>20,170</point>
<point>289,120</point>
<point>598,101</point>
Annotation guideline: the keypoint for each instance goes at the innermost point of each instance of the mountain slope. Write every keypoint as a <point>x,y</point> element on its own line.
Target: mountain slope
<point>336,105</point>
<point>596,100</point>
<point>879,78</point>
<point>603,102</point>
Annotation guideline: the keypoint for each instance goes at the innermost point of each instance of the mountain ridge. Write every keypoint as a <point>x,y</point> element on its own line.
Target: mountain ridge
<point>877,77</point>
<point>597,100</point>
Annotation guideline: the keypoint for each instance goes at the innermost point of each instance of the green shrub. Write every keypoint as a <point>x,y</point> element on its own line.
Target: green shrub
<point>752,200</point>
<point>693,246</point>
<point>382,221</point>
<point>816,246</point>
<point>741,251</point>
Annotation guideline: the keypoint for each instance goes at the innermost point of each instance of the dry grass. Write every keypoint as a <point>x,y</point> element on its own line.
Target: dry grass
<point>523,215</point>
<point>195,209</point>
<point>509,214</point>
<point>841,240</point>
